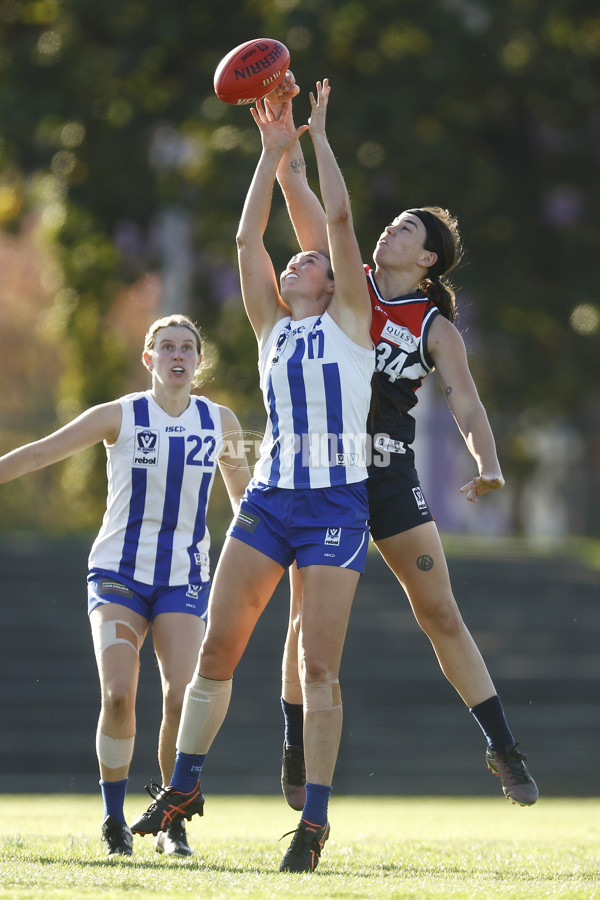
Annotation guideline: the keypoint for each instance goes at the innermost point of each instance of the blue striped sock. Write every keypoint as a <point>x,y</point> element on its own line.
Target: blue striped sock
<point>316,803</point>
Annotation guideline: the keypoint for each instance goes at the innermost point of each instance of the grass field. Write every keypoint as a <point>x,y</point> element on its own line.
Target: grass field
<point>379,848</point>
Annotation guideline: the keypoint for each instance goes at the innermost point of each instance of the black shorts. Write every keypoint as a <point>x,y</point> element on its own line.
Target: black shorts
<point>396,501</point>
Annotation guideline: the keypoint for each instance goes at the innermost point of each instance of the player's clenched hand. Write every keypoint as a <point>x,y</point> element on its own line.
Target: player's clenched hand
<point>286,90</point>
<point>481,484</point>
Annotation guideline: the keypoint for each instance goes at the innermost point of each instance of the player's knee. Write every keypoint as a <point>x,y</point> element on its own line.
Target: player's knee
<point>118,700</point>
<point>440,620</point>
<point>220,653</point>
<point>316,669</point>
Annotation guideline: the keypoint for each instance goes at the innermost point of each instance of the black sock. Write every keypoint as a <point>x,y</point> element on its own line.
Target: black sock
<point>490,718</point>
<point>294,723</point>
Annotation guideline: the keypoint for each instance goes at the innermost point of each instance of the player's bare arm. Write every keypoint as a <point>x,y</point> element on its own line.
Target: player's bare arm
<point>260,290</point>
<point>447,349</point>
<point>304,207</point>
<point>233,462</point>
<point>350,307</point>
<point>100,423</point>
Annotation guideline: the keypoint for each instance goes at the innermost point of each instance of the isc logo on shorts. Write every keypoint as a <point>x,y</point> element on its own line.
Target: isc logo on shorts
<point>332,537</point>
<point>421,502</point>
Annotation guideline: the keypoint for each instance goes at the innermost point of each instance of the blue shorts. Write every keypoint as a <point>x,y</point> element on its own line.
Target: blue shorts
<point>146,599</point>
<point>316,527</point>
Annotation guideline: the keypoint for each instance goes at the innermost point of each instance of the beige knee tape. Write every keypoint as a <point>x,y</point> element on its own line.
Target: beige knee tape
<point>204,707</point>
<point>114,631</point>
<point>114,752</point>
<point>321,695</point>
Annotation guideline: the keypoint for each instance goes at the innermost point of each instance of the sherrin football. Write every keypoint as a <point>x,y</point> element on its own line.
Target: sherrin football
<point>251,71</point>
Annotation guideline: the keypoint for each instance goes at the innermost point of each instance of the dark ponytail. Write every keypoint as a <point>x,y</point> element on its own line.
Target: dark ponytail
<point>443,239</point>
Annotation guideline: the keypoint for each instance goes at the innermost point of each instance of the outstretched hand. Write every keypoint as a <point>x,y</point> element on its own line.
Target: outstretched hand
<point>480,485</point>
<point>318,108</point>
<point>277,131</point>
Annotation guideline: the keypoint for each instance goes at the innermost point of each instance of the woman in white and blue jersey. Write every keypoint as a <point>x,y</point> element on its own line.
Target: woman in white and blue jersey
<point>307,500</point>
<point>412,328</point>
<point>149,563</point>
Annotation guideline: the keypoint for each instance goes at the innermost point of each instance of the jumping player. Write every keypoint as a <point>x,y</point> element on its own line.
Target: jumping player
<point>307,500</point>
<point>149,563</point>
<point>413,310</point>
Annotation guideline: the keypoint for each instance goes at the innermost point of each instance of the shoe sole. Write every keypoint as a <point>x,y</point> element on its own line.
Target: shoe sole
<point>154,833</point>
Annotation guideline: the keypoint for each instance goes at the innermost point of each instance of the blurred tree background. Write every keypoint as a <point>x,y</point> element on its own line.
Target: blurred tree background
<point>122,178</point>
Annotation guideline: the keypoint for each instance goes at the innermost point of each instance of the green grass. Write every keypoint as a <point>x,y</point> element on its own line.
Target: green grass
<point>379,848</point>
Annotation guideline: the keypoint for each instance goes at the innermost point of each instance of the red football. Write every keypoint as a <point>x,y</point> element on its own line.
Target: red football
<point>251,71</point>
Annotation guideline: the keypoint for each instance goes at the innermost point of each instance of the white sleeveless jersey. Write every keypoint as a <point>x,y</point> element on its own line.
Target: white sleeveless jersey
<point>160,474</point>
<point>316,385</point>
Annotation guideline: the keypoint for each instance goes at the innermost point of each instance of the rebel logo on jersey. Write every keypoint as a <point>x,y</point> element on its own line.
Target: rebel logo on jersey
<point>145,451</point>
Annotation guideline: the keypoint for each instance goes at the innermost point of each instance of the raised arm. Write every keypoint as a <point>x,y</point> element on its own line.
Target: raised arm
<point>304,207</point>
<point>96,424</point>
<point>350,307</point>
<point>448,351</point>
<point>260,290</point>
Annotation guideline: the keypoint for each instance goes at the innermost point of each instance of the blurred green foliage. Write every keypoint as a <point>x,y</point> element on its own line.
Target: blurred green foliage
<point>489,107</point>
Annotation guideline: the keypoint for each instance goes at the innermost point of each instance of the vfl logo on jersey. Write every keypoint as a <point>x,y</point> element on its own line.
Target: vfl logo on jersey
<point>399,335</point>
<point>346,459</point>
<point>280,344</point>
<point>145,448</point>
<point>420,499</point>
<point>193,591</point>
<point>333,537</point>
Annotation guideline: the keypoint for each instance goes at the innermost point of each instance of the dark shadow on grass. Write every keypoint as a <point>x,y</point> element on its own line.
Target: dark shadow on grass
<point>328,869</point>
<point>158,865</point>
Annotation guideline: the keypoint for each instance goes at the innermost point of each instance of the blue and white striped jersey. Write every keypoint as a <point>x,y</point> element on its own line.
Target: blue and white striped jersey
<point>316,385</point>
<point>160,474</point>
